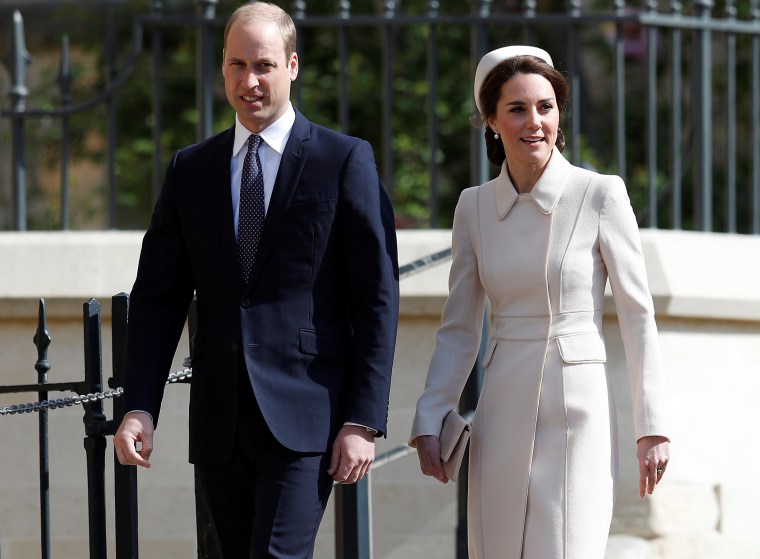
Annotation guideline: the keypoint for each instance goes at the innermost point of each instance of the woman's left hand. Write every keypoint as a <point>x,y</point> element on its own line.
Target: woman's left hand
<point>653,453</point>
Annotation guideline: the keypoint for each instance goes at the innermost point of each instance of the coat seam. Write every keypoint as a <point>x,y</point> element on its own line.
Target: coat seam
<point>567,247</point>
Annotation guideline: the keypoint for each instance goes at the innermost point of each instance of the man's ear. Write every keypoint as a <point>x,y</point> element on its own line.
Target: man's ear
<point>293,67</point>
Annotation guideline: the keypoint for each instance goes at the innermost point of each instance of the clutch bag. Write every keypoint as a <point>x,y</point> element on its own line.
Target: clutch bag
<point>455,433</point>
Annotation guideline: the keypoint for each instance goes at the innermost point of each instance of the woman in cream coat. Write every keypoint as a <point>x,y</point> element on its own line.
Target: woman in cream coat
<point>539,242</point>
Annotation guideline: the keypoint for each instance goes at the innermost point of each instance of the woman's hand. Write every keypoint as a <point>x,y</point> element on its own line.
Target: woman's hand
<point>429,453</point>
<point>653,453</point>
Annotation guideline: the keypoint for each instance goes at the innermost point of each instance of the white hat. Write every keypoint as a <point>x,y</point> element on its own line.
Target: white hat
<point>496,57</point>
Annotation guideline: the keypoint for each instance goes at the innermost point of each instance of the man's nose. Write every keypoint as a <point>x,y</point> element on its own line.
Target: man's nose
<point>250,80</point>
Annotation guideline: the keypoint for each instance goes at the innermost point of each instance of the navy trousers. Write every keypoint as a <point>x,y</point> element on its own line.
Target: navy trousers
<point>268,501</point>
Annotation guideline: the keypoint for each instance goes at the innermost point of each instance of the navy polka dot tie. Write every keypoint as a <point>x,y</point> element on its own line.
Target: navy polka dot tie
<point>251,208</point>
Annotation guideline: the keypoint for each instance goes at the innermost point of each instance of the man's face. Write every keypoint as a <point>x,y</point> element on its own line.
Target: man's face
<point>257,73</point>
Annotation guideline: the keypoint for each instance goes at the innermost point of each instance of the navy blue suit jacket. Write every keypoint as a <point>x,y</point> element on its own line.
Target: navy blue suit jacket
<point>317,321</point>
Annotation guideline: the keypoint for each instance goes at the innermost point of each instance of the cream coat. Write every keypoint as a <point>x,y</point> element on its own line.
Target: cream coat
<point>543,456</point>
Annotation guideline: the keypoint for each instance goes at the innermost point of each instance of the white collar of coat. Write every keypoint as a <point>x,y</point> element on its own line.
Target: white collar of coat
<point>545,193</point>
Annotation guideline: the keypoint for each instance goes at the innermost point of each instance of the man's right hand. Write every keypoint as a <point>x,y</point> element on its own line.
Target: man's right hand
<point>136,428</point>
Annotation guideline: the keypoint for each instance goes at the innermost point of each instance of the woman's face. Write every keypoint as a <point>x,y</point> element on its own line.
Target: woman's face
<point>527,119</point>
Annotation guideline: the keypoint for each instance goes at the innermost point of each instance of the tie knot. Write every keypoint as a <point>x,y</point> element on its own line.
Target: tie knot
<point>254,141</point>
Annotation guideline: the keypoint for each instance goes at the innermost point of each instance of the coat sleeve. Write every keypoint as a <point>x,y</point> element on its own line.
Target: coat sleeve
<point>158,305</point>
<point>620,247</point>
<point>458,339</point>
<point>368,243</point>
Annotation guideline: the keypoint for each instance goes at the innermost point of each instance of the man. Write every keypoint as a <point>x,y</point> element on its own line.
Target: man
<point>297,310</point>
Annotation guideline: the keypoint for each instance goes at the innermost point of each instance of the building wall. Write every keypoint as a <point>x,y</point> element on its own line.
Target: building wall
<point>708,312</point>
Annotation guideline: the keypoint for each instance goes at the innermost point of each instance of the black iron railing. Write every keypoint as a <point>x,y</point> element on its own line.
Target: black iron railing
<point>672,95</point>
<point>353,525</point>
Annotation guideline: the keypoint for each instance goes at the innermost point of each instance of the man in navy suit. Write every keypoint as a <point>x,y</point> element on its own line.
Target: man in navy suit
<point>293,352</point>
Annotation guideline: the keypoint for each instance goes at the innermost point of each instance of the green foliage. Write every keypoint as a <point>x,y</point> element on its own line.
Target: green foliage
<point>316,94</point>
<point>396,119</point>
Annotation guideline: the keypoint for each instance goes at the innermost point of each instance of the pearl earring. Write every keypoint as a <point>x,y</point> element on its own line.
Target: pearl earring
<point>495,135</point>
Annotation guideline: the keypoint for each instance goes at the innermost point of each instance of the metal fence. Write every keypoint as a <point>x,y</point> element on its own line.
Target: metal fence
<point>353,526</point>
<point>665,95</point>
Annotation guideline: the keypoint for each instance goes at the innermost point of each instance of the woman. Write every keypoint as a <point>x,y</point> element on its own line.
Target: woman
<point>539,242</point>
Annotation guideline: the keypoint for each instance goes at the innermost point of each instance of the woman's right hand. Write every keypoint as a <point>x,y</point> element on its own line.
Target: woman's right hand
<point>429,453</point>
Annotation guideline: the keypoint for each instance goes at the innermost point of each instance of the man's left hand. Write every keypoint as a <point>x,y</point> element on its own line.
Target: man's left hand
<point>352,454</point>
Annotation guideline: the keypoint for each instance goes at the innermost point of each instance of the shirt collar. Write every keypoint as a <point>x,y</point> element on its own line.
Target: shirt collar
<point>545,193</point>
<point>275,135</point>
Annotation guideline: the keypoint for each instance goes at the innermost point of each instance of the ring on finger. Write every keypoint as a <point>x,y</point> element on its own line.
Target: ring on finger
<point>660,471</point>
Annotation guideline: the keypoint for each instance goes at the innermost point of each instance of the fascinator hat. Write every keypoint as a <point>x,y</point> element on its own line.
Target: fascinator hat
<point>496,57</point>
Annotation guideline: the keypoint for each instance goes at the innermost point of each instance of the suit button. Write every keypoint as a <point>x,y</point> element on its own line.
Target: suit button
<point>246,303</point>
<point>235,346</point>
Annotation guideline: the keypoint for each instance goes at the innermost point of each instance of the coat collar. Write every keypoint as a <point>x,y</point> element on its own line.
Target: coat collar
<point>546,192</point>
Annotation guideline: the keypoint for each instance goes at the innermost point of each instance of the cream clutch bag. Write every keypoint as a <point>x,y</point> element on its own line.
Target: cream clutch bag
<point>455,433</point>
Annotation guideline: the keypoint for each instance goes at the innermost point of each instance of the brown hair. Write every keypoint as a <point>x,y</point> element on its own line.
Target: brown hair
<point>267,13</point>
<point>490,92</point>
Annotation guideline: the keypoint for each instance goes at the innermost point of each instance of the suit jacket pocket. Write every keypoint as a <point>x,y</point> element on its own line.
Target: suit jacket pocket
<point>300,207</point>
<point>582,348</point>
<point>323,345</point>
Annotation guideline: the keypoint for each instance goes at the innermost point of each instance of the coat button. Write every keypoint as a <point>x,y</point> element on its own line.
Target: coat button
<point>246,303</point>
<point>235,346</point>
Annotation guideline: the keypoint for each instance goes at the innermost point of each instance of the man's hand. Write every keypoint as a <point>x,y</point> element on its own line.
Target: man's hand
<point>429,453</point>
<point>352,454</point>
<point>136,427</point>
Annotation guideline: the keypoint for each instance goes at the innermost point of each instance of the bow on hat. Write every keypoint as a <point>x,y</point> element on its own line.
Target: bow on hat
<point>496,57</point>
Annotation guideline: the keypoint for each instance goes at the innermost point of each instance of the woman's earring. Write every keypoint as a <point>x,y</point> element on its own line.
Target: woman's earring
<point>495,135</point>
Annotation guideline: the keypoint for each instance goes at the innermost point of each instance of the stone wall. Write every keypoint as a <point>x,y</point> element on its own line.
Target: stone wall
<point>708,312</point>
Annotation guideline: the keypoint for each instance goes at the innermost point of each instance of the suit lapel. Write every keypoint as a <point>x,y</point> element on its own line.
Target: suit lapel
<point>293,160</point>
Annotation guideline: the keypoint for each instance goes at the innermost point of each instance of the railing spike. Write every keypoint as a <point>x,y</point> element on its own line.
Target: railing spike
<point>703,7</point>
<point>207,8</point>
<point>731,9</point>
<point>344,9</point>
<point>299,9</point>
<point>42,340</point>
<point>389,8</point>
<point>482,7</point>
<point>574,7</point>
<point>18,62</point>
<point>65,76</point>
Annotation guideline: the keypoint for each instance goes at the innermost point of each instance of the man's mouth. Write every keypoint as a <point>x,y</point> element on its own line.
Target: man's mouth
<point>251,99</point>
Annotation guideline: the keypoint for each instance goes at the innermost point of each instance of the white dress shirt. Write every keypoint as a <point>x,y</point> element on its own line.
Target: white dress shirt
<point>274,137</point>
